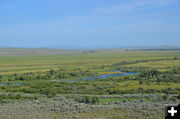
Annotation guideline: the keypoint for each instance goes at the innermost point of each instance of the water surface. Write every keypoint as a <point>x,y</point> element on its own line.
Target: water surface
<point>105,76</point>
<point>15,84</point>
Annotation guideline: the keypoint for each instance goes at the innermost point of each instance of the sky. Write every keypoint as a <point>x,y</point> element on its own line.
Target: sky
<point>89,23</point>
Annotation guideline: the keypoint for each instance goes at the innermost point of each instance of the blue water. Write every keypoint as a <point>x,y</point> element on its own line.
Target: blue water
<point>91,78</point>
<point>106,76</point>
<point>15,84</point>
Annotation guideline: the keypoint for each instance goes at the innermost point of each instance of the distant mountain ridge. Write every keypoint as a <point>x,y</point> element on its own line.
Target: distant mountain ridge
<point>55,51</point>
<point>163,47</point>
<point>109,47</point>
<point>32,51</point>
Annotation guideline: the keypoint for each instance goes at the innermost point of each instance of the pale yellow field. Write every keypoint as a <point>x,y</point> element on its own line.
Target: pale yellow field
<point>157,64</point>
<point>131,85</point>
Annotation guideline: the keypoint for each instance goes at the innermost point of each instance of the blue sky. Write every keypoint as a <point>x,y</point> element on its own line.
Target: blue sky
<point>89,23</point>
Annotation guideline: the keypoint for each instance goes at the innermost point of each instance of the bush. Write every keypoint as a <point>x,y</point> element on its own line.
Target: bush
<point>173,99</point>
<point>165,97</point>
<point>176,58</point>
<point>87,99</point>
<point>49,92</point>
<point>141,82</point>
<point>149,73</point>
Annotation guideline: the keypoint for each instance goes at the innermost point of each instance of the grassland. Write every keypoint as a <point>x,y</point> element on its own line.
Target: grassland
<point>46,76</point>
<point>18,64</point>
<point>158,64</point>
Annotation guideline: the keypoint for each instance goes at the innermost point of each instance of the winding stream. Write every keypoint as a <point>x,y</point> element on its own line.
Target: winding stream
<point>105,76</point>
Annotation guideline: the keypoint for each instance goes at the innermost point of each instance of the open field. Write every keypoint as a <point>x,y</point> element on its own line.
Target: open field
<point>18,64</point>
<point>44,83</point>
<point>158,64</point>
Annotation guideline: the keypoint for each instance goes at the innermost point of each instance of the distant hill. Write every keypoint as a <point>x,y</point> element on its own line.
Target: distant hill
<point>33,51</point>
<point>163,47</point>
<point>136,48</point>
<point>49,51</point>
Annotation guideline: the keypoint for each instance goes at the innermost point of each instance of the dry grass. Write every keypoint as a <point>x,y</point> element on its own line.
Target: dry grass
<point>157,64</point>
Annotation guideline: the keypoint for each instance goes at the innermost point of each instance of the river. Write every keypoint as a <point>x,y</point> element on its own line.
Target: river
<point>105,76</point>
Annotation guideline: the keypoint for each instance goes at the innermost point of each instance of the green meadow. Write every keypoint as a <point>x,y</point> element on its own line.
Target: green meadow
<point>38,77</point>
<point>45,70</point>
<point>69,61</point>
